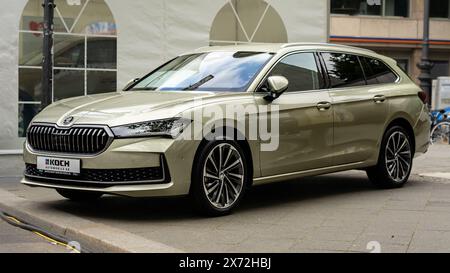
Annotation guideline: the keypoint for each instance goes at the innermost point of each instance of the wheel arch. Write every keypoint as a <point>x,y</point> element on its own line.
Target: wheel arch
<point>405,124</point>
<point>241,140</point>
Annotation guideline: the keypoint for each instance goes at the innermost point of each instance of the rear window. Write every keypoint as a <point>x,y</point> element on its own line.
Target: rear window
<point>377,72</point>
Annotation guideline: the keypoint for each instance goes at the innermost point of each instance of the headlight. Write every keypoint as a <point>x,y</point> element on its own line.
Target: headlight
<point>172,127</point>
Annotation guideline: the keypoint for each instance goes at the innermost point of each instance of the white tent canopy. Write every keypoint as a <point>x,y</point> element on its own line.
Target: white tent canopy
<point>150,32</point>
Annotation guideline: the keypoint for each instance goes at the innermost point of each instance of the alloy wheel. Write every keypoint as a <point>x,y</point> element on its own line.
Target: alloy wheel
<point>223,176</point>
<point>398,156</point>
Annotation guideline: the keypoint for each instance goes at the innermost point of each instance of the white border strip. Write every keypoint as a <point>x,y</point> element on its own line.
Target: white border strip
<point>239,21</point>
<point>260,22</point>
<point>85,69</point>
<point>62,19</point>
<point>79,15</point>
<point>30,102</point>
<point>72,34</point>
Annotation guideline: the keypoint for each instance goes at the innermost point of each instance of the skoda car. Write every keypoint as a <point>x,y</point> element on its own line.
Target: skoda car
<point>326,108</point>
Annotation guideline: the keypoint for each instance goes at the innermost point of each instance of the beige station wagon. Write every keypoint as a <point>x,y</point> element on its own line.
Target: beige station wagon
<point>214,122</point>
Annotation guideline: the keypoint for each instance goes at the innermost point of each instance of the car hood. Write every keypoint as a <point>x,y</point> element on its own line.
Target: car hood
<point>120,108</point>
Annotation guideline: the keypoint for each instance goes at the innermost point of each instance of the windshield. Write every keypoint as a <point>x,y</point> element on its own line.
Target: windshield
<point>213,71</point>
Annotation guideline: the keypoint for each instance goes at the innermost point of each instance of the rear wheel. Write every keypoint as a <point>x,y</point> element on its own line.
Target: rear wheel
<point>395,162</point>
<point>220,176</point>
<point>79,196</point>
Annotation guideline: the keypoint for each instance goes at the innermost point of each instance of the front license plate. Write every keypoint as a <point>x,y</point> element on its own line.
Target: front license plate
<point>58,165</point>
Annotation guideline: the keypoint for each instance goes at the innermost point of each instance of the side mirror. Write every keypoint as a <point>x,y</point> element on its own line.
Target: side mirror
<point>130,83</point>
<point>277,86</point>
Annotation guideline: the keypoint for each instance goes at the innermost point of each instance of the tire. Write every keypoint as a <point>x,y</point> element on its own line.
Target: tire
<point>79,196</point>
<point>226,182</point>
<point>395,161</point>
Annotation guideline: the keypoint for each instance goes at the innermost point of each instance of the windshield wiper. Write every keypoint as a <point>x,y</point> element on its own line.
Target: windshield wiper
<point>199,83</point>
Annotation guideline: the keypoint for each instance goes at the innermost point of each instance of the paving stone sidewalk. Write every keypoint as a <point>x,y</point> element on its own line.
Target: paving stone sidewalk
<point>332,213</point>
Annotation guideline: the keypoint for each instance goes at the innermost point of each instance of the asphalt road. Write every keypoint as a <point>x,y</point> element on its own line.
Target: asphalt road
<point>332,213</point>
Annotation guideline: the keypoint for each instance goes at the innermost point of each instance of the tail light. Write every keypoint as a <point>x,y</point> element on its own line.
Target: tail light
<point>423,96</point>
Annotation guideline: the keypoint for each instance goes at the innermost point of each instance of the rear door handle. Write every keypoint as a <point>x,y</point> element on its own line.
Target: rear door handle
<point>323,106</point>
<point>379,99</point>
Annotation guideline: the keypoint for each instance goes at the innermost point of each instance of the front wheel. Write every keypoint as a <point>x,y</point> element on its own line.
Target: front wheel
<point>79,196</point>
<point>395,162</point>
<point>220,176</point>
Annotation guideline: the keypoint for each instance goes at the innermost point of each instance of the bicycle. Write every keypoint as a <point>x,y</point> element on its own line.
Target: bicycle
<point>440,126</point>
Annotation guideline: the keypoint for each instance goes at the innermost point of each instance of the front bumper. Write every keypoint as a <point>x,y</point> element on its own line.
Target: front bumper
<point>141,167</point>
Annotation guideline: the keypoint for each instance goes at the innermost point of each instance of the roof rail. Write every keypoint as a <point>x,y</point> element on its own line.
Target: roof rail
<point>325,44</point>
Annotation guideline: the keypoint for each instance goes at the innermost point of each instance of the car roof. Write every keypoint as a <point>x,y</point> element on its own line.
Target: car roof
<point>254,47</point>
<point>285,48</point>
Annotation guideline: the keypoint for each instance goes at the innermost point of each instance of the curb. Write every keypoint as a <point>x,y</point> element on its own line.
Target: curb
<point>92,236</point>
<point>441,175</point>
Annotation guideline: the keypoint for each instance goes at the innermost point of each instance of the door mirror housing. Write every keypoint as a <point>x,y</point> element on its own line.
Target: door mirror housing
<point>277,85</point>
<point>130,83</point>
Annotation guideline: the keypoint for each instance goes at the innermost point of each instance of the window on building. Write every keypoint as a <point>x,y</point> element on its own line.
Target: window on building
<point>377,72</point>
<point>440,69</point>
<point>84,53</point>
<point>243,21</point>
<point>439,8</point>
<point>371,7</point>
<point>300,70</point>
<point>403,64</point>
<point>396,8</point>
<point>344,70</point>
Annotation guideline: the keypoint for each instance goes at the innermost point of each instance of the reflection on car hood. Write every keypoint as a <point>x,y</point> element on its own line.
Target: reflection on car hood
<point>123,107</point>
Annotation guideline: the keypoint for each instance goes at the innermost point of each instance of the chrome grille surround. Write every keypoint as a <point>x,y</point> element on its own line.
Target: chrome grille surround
<point>77,139</point>
<point>99,178</point>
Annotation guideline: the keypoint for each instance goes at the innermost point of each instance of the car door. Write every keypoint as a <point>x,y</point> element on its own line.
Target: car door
<point>360,110</point>
<point>305,134</point>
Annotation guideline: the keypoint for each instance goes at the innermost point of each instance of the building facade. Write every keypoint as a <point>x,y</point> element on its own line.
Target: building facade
<point>394,28</point>
<point>99,45</point>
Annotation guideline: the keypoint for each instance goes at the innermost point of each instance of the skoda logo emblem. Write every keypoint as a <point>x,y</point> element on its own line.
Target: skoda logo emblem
<point>68,120</point>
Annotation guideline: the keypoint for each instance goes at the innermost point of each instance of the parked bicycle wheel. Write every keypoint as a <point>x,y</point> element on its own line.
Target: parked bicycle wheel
<point>441,133</point>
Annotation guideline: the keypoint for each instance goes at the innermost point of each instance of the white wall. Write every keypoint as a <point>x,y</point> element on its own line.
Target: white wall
<point>149,32</point>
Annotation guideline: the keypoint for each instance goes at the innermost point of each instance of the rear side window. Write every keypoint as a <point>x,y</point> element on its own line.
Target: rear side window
<point>301,71</point>
<point>377,72</point>
<point>344,70</point>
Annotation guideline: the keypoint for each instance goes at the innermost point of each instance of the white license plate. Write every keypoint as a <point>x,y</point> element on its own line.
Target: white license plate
<point>58,165</point>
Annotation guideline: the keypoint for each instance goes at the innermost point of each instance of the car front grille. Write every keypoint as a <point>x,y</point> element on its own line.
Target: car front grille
<point>101,177</point>
<point>74,140</point>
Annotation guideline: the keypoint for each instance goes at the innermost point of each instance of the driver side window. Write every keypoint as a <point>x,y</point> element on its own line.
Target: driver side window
<point>301,71</point>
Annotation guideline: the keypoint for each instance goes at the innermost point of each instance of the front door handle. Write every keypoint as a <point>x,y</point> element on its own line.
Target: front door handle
<point>323,106</point>
<point>379,99</point>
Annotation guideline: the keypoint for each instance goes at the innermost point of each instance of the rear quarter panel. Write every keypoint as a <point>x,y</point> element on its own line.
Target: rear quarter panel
<point>404,103</point>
